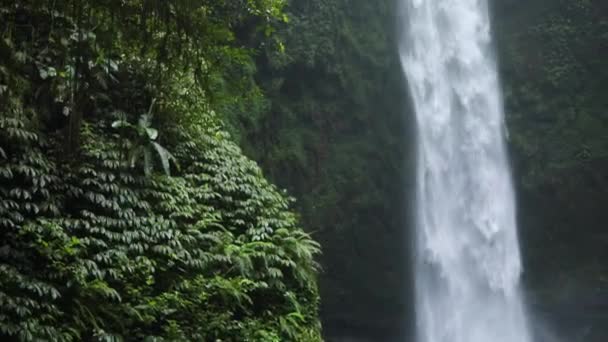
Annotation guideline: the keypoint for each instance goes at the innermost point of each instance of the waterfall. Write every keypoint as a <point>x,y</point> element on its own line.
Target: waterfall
<point>467,254</point>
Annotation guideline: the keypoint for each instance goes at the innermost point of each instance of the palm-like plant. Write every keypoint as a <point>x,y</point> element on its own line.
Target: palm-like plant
<point>142,143</point>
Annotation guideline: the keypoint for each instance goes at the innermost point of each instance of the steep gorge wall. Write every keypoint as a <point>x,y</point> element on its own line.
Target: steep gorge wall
<point>337,133</point>
<point>555,72</point>
<point>336,137</point>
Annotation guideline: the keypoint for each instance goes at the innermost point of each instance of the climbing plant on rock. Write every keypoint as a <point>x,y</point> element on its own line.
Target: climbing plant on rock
<point>95,247</point>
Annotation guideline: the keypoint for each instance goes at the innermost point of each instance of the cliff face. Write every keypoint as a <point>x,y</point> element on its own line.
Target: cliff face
<point>337,133</point>
<point>552,55</point>
<point>127,213</point>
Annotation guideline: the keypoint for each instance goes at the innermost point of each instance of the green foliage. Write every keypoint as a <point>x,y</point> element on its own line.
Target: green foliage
<point>73,50</point>
<point>143,142</point>
<point>332,132</point>
<point>553,62</point>
<point>556,102</point>
<point>93,249</point>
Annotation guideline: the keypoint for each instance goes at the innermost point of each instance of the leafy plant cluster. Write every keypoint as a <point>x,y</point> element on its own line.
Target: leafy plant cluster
<point>555,79</point>
<point>332,132</point>
<point>556,101</point>
<point>76,48</point>
<point>552,55</point>
<point>95,243</point>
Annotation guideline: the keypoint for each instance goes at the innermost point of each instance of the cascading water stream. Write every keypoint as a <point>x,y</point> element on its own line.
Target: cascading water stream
<point>467,256</point>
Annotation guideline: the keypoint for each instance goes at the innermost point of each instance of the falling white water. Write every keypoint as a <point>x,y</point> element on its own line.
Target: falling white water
<point>468,263</point>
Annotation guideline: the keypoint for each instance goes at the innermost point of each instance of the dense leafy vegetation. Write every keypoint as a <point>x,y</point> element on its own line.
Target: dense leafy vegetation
<point>128,213</point>
<point>100,101</point>
<point>334,133</point>
<point>553,58</point>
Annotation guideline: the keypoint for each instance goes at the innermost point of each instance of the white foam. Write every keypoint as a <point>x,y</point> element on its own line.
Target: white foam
<point>468,264</point>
